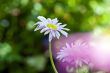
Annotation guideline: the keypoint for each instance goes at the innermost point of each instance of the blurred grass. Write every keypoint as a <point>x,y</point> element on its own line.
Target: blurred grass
<point>21,49</point>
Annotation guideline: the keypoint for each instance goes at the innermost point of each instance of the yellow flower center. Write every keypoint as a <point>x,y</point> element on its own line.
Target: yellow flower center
<point>52,26</point>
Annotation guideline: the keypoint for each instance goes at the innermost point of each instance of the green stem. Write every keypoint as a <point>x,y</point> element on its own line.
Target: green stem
<point>51,58</point>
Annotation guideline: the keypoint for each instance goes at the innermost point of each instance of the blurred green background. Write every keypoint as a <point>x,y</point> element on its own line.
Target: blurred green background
<point>24,51</point>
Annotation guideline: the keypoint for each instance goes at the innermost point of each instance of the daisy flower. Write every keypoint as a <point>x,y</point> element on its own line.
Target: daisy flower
<point>51,27</point>
<point>74,54</point>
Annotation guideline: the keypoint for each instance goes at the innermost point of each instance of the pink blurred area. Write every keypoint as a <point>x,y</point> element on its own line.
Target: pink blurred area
<point>98,52</point>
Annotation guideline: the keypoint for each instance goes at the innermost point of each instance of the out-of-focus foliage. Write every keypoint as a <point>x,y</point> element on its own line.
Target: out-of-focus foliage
<point>83,69</point>
<point>21,49</point>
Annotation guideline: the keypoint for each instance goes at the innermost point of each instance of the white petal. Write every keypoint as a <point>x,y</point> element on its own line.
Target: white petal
<point>57,34</point>
<point>35,24</point>
<point>50,37</point>
<point>38,23</point>
<point>58,24</point>
<point>66,29</point>
<point>41,18</point>
<point>36,29</point>
<point>43,30</point>
<point>63,25</point>
<point>54,21</point>
<point>53,33</point>
<point>49,20</point>
<point>64,33</point>
<point>46,32</point>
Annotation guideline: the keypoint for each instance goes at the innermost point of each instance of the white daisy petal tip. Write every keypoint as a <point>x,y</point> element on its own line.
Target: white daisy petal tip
<point>55,20</point>
<point>51,27</point>
<point>41,18</point>
<point>35,24</point>
<point>66,29</point>
<point>36,29</point>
